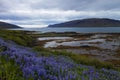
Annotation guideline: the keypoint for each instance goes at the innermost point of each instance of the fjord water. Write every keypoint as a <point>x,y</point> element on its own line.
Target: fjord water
<point>76,29</point>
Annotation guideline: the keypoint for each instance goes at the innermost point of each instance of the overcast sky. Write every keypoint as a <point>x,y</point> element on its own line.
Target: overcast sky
<point>40,13</point>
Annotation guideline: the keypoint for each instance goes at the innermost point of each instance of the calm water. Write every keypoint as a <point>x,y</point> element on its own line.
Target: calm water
<point>53,38</point>
<point>76,29</point>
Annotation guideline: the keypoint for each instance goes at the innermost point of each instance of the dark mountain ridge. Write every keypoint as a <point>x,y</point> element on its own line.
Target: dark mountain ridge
<point>91,22</point>
<point>4,25</point>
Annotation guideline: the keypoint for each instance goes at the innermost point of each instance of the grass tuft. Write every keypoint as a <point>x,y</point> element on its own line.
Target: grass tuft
<point>78,58</point>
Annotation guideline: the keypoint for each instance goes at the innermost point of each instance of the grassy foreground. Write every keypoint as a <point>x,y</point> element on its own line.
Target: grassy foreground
<point>78,58</point>
<point>22,63</point>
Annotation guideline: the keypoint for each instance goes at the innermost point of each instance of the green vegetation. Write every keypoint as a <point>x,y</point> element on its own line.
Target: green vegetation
<point>78,58</point>
<point>20,37</point>
<point>9,70</point>
<point>115,62</point>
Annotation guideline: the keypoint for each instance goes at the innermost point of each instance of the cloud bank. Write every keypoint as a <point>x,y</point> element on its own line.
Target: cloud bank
<point>40,13</point>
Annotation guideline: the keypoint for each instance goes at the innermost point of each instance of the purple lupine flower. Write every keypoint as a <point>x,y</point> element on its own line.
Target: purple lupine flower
<point>52,67</point>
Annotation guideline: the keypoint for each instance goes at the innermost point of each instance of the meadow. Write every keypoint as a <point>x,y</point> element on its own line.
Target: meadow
<point>21,60</point>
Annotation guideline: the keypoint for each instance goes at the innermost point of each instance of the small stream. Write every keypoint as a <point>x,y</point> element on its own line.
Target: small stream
<point>53,38</point>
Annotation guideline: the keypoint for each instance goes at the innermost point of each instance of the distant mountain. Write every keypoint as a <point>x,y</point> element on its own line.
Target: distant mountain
<point>91,22</point>
<point>4,25</point>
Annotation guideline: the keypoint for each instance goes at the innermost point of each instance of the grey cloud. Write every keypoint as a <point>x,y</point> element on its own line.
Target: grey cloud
<point>35,12</point>
<point>3,7</point>
<point>61,4</point>
<point>78,4</point>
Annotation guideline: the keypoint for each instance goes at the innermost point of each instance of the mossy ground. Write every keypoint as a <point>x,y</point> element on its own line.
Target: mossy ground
<point>19,37</point>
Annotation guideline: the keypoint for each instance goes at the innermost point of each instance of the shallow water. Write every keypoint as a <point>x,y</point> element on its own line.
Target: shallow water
<point>71,43</point>
<point>100,46</point>
<point>112,45</point>
<point>53,38</point>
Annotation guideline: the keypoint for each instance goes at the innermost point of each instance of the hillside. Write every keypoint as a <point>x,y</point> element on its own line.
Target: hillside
<point>91,22</point>
<point>4,25</point>
<point>18,62</point>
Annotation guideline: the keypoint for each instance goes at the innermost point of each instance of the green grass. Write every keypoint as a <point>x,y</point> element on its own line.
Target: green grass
<point>9,70</point>
<point>20,37</point>
<point>81,59</point>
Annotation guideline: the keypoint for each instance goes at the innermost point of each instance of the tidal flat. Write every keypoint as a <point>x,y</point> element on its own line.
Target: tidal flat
<point>102,46</point>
